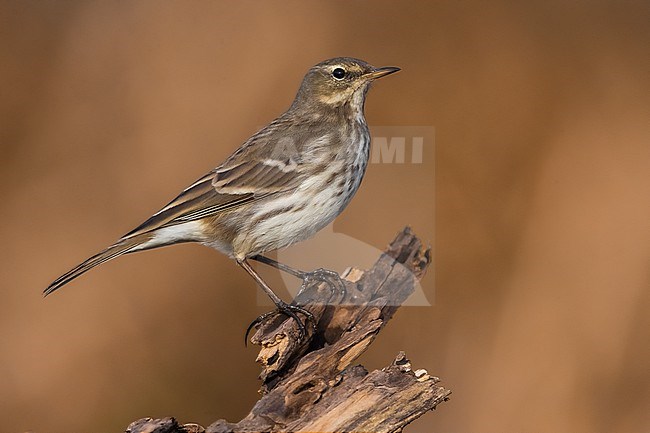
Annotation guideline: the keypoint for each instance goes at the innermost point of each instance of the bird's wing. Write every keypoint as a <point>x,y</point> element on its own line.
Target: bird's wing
<point>250,174</point>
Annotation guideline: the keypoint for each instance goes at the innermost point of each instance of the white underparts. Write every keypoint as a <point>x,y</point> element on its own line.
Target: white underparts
<point>186,232</point>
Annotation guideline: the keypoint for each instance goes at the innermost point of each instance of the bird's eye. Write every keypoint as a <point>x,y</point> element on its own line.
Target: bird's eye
<point>338,73</point>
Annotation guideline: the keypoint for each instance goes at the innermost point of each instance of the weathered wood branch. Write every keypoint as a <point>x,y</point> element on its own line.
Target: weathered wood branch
<point>310,385</point>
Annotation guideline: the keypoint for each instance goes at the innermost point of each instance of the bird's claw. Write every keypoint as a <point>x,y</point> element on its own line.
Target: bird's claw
<point>289,311</point>
<point>332,279</point>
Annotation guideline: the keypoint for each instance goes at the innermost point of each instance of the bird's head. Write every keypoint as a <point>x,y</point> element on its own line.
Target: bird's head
<point>339,81</point>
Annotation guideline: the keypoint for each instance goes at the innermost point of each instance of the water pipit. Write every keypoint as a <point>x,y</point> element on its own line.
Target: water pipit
<point>285,183</point>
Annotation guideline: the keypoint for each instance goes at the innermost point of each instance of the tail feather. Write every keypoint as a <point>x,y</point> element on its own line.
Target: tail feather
<point>122,247</point>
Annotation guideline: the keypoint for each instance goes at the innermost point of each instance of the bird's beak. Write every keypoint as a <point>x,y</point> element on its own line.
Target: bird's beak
<point>381,72</point>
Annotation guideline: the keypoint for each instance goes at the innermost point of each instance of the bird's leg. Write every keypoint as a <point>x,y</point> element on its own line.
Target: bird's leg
<point>332,278</point>
<point>282,307</point>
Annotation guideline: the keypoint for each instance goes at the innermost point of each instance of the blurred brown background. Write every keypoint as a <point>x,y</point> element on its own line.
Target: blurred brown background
<point>542,210</point>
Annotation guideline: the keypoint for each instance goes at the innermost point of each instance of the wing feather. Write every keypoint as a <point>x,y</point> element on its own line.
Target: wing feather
<point>255,171</point>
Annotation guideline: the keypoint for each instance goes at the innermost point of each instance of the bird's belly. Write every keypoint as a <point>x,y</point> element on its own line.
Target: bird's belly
<point>291,218</point>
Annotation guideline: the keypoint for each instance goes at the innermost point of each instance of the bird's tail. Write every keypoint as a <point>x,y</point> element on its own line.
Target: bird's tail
<point>123,246</point>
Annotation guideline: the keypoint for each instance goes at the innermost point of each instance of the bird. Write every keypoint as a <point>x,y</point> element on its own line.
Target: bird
<point>281,186</point>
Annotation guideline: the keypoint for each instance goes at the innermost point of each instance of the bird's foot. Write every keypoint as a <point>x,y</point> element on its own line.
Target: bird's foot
<point>289,311</point>
<point>332,279</point>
